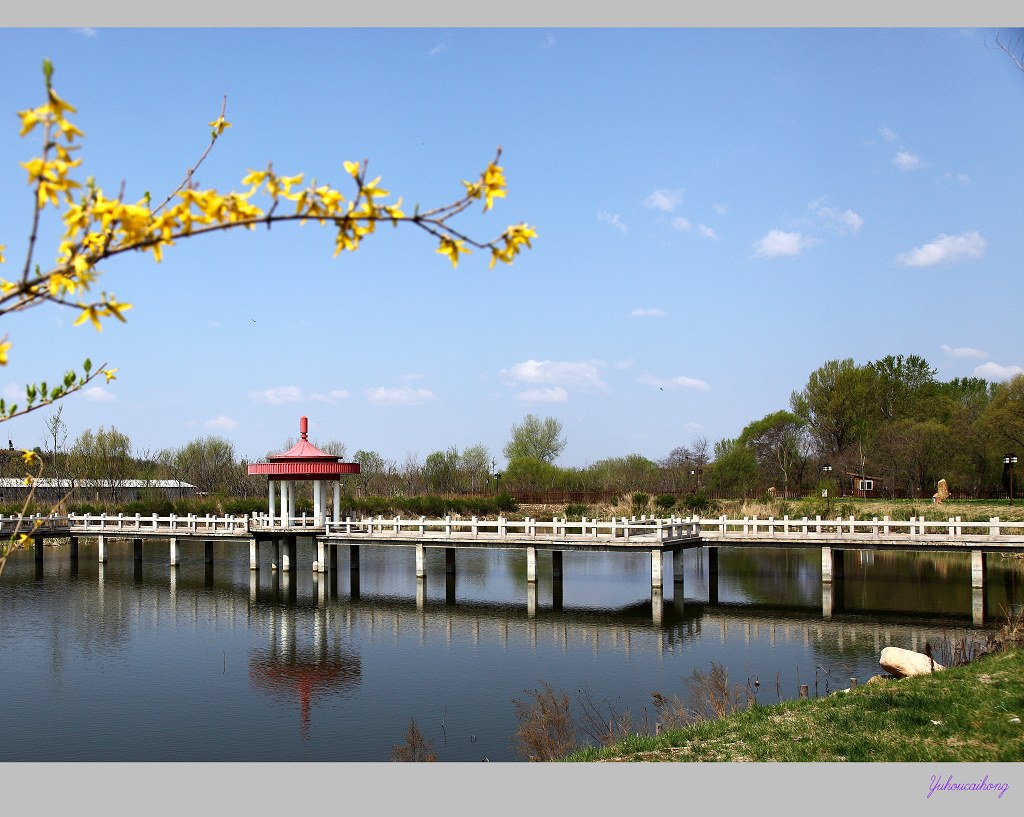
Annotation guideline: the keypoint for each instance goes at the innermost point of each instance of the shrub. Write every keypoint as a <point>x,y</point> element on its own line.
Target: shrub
<point>546,730</point>
<point>574,511</point>
<point>640,501</point>
<point>665,502</point>
<point>699,503</point>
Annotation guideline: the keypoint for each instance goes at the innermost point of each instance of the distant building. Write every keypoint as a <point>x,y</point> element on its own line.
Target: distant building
<point>864,486</point>
<point>49,489</point>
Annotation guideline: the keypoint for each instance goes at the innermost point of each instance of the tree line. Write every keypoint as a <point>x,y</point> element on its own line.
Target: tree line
<point>890,420</point>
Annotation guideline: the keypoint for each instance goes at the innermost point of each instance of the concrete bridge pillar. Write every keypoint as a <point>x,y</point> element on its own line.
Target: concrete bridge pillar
<point>421,591</point>
<point>421,560</point>
<point>137,548</point>
<point>353,558</point>
<point>74,548</point>
<point>657,606</point>
<point>556,564</point>
<point>831,564</point>
<point>320,565</point>
<point>208,552</point>
<point>101,547</point>
<point>531,599</point>
<point>38,542</point>
<point>978,564</point>
<point>449,561</point>
<point>656,560</point>
<point>531,564</point>
<point>254,554</point>
<point>174,556</point>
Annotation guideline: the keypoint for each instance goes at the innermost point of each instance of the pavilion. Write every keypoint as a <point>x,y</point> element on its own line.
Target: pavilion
<point>302,462</point>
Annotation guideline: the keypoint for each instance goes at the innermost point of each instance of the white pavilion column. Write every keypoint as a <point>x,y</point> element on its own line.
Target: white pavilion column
<point>285,510</point>
<point>291,499</point>
<point>336,510</point>
<point>317,502</point>
<point>270,502</point>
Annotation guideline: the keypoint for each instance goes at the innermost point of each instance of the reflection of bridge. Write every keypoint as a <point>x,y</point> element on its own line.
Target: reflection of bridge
<point>531,536</point>
<point>305,656</point>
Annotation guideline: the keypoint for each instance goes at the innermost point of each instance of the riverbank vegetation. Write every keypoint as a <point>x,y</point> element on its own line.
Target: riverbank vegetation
<point>971,711</point>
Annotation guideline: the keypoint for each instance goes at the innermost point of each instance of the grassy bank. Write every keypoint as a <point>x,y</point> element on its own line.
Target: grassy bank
<point>963,714</point>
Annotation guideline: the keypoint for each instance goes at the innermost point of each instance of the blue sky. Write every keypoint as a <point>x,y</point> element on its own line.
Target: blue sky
<point>719,212</point>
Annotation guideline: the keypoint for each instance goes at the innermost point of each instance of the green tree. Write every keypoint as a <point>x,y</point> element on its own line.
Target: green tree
<point>836,405</point>
<point>535,438</point>
<point>734,468</point>
<point>779,446</point>
<point>530,474</point>
<point>209,463</point>
<point>104,457</point>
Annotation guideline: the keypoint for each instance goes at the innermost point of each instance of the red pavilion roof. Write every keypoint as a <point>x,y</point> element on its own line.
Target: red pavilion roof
<point>304,460</point>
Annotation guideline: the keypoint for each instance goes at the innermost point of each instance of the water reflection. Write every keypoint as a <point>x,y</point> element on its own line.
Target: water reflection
<point>300,666</point>
<point>304,660</point>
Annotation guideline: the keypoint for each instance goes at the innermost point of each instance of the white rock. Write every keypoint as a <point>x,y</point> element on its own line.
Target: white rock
<point>903,663</point>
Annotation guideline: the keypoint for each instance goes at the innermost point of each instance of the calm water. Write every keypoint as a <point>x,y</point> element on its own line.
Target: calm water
<point>144,662</point>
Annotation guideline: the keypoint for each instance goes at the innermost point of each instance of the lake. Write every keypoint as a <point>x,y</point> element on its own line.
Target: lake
<point>135,661</point>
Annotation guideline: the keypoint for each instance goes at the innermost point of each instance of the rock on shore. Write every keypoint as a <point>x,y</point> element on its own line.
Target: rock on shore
<point>904,663</point>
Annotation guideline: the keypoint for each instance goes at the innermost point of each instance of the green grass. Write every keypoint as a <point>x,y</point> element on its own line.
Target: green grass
<point>962,714</point>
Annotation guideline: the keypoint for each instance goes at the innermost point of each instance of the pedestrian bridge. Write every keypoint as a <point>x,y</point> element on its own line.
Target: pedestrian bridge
<point>652,535</point>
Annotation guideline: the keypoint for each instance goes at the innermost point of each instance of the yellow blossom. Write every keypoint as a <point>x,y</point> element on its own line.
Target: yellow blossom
<point>109,373</point>
<point>219,124</point>
<point>4,348</point>
<point>452,248</point>
<point>29,457</point>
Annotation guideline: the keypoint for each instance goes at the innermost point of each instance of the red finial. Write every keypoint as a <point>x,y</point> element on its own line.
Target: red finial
<point>303,427</point>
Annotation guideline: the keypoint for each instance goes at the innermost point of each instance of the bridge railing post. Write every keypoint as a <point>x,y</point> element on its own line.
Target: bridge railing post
<point>993,527</point>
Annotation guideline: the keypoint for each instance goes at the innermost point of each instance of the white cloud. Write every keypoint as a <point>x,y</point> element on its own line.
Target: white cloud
<point>437,49</point>
<point>846,220</point>
<point>905,160</point>
<point>556,371</point>
<point>994,371</point>
<point>545,394</point>
<point>680,223</point>
<point>222,423</point>
<point>959,178</point>
<point>98,394</point>
<point>778,242</point>
<point>721,209</point>
<point>707,232</point>
<point>277,396</point>
<point>665,199</point>
<point>88,33</point>
<point>654,312</point>
<point>679,382</point>
<point>332,396</point>
<point>613,220</point>
<point>963,351</point>
<point>549,40</point>
<point>945,248</point>
<point>887,134</point>
<point>399,397</point>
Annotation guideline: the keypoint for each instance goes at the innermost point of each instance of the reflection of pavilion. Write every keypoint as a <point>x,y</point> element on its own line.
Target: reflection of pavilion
<point>287,670</point>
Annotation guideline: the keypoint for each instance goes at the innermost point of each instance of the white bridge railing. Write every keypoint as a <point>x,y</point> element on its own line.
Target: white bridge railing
<point>647,529</point>
<point>584,530</point>
<point>183,525</point>
<point>789,529</point>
